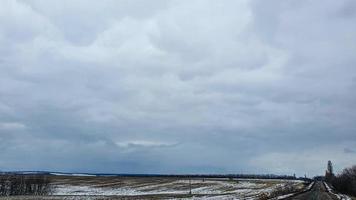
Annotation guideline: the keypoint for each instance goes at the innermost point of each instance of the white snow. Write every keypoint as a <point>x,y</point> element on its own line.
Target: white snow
<point>339,196</point>
<point>88,190</point>
<point>225,189</point>
<point>285,196</point>
<point>64,174</point>
<point>83,175</point>
<point>291,194</point>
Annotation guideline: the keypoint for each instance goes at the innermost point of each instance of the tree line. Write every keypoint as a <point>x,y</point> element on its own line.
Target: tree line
<point>249,176</point>
<point>15,184</point>
<point>344,182</point>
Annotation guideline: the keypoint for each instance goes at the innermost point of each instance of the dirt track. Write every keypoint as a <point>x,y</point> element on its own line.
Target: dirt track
<point>318,192</point>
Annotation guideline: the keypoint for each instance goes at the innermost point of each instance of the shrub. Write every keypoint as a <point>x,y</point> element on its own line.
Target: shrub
<point>263,196</point>
<point>345,182</point>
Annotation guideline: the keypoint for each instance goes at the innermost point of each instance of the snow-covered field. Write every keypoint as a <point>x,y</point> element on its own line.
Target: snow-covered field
<point>175,188</point>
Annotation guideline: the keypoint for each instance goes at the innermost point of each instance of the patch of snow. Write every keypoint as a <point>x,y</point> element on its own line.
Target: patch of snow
<point>291,194</point>
<point>83,175</point>
<point>58,174</point>
<point>88,191</point>
<point>210,189</point>
<point>65,174</point>
<point>339,196</point>
<point>285,196</point>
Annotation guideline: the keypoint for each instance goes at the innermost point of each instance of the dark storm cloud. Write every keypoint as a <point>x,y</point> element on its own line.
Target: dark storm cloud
<point>199,86</point>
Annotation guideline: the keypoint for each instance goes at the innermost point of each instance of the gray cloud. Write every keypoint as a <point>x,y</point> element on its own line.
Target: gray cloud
<point>348,150</point>
<point>177,86</point>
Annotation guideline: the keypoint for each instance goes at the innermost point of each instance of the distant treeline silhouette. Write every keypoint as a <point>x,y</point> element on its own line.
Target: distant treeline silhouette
<point>15,184</point>
<point>246,176</point>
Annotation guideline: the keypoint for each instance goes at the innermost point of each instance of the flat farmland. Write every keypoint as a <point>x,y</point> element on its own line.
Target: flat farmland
<point>106,187</point>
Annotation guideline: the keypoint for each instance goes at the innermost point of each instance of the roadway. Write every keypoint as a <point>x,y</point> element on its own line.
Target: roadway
<point>318,192</point>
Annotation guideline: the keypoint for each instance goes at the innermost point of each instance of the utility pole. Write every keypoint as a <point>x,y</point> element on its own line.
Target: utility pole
<point>190,187</point>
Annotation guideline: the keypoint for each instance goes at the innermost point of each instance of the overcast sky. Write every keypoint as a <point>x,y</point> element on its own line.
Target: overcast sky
<point>178,86</point>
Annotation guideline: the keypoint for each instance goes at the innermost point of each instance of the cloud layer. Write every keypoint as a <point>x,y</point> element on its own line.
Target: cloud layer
<point>177,86</point>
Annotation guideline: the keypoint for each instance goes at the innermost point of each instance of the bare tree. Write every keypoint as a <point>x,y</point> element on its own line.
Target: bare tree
<point>11,184</point>
<point>345,182</point>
